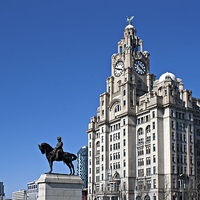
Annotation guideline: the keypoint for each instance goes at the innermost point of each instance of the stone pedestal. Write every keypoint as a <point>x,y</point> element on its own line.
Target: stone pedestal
<point>59,187</point>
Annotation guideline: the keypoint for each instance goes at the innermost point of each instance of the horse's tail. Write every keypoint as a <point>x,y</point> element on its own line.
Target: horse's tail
<point>74,157</point>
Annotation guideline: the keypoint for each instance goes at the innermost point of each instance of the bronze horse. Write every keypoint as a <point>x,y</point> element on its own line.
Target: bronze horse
<point>66,157</point>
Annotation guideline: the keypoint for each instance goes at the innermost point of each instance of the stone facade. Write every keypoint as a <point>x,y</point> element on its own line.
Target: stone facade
<point>143,143</point>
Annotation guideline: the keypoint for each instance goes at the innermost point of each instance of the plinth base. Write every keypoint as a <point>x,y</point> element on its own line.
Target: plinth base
<point>59,187</point>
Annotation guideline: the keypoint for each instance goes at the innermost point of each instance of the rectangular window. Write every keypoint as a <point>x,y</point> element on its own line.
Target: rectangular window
<point>124,185</point>
<point>172,113</point>
<point>191,149</point>
<point>173,169</point>
<point>190,128</point>
<point>97,170</point>
<point>148,184</point>
<point>154,126</point>
<point>173,147</point>
<point>124,173</point>
<point>173,158</point>
<point>141,185</point>
<point>124,142</point>
<point>148,149</point>
<point>148,160</point>
<point>174,183</point>
<point>124,152</point>
<point>124,122</point>
<point>154,147</point>
<point>153,114</point>
<point>154,183</point>
<point>173,136</point>
<point>154,158</point>
<point>109,176</point>
<point>124,102</point>
<point>140,172</point>
<point>124,163</point>
<point>124,132</point>
<point>118,135</point>
<point>118,145</point>
<point>154,136</point>
<point>154,170</point>
<point>172,124</point>
<point>141,162</point>
<point>140,151</point>
<point>191,138</point>
<point>148,171</point>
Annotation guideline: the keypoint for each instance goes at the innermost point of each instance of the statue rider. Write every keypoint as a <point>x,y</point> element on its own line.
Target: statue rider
<point>58,150</point>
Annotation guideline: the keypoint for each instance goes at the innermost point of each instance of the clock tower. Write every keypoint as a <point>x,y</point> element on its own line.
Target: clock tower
<point>130,66</point>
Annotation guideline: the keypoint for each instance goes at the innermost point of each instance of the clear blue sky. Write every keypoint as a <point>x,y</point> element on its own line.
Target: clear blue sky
<point>55,58</point>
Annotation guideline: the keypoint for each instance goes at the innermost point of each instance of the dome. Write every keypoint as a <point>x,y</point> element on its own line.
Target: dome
<point>167,75</point>
<point>129,26</point>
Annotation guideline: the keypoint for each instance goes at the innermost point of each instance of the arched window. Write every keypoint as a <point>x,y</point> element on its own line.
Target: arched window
<point>147,197</point>
<point>98,147</point>
<point>138,198</point>
<point>140,131</point>
<point>148,129</point>
<point>98,144</point>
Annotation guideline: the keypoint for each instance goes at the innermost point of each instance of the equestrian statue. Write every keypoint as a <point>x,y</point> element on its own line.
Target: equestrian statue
<point>57,154</point>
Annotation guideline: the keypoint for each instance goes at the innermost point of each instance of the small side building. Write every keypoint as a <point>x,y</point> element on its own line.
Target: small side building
<point>32,191</point>
<point>19,195</point>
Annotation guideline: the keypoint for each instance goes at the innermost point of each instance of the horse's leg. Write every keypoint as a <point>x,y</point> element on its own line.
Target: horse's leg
<point>69,167</point>
<point>72,166</point>
<point>51,165</point>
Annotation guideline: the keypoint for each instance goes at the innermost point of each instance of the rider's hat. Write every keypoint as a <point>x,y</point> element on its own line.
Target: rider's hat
<point>58,138</point>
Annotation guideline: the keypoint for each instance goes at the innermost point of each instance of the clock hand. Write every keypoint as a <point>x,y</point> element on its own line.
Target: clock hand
<point>118,68</point>
<point>140,67</point>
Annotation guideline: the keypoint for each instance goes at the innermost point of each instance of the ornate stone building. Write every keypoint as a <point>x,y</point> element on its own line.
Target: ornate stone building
<point>143,143</point>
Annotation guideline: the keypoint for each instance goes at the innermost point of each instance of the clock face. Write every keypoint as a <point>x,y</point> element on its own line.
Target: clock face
<point>119,68</point>
<point>140,67</point>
